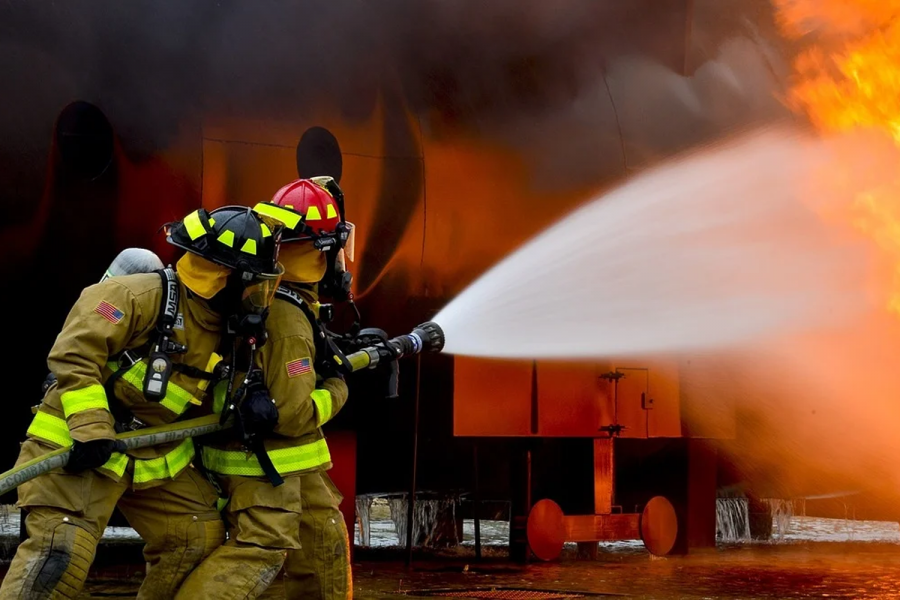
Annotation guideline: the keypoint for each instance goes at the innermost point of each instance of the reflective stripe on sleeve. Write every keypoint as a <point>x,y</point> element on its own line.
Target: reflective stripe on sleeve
<point>87,398</point>
<point>322,399</point>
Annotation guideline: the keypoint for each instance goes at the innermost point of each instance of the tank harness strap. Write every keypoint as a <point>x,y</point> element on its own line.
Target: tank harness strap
<point>125,420</point>
<point>254,442</point>
<point>272,474</point>
<point>163,344</point>
<point>292,297</point>
<point>193,372</point>
<point>324,345</point>
<point>156,380</point>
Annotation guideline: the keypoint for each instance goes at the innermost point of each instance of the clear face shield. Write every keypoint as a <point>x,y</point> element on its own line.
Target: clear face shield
<point>259,290</point>
<point>350,245</point>
<point>346,254</point>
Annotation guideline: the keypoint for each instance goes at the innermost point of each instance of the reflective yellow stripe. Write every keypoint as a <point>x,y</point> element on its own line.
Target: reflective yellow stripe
<point>249,247</point>
<point>214,359</point>
<point>164,467</point>
<point>289,217</point>
<point>53,429</point>
<point>313,214</point>
<point>219,397</point>
<point>266,232</point>
<point>227,238</point>
<point>90,397</point>
<point>50,428</point>
<point>177,398</point>
<point>331,212</point>
<point>116,464</point>
<point>322,400</point>
<point>286,460</point>
<point>194,226</point>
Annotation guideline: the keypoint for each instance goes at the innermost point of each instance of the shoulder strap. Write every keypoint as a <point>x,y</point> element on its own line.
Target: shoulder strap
<point>168,304</point>
<point>165,322</point>
<point>156,379</point>
<point>292,297</point>
<point>289,295</point>
<point>328,356</point>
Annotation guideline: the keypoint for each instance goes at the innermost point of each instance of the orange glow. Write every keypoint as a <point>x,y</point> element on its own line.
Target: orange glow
<point>850,79</point>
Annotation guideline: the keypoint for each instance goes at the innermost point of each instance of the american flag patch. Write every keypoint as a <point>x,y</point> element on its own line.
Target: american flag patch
<point>298,367</point>
<point>109,312</point>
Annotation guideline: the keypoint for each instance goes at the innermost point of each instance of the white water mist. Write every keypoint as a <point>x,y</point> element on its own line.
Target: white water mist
<point>712,249</point>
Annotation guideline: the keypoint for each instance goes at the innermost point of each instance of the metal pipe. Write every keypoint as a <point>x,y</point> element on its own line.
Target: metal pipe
<point>411,504</point>
<point>477,501</point>
<point>528,503</point>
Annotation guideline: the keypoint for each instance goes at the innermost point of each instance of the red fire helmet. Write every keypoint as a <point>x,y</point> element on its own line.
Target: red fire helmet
<point>311,209</point>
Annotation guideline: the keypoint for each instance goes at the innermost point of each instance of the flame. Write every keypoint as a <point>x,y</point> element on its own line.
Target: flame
<point>848,79</point>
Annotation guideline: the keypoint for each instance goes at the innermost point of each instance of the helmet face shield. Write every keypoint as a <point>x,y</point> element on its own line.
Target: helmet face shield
<point>259,291</point>
<point>350,244</point>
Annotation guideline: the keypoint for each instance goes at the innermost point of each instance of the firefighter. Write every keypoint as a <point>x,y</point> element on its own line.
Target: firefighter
<point>139,350</point>
<point>300,516</point>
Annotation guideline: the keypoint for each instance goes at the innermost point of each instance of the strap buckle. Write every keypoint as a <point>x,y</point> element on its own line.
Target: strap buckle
<point>133,425</point>
<point>128,359</point>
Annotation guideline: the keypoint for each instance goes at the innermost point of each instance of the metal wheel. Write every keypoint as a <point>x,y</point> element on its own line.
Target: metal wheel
<point>546,530</point>
<point>659,526</point>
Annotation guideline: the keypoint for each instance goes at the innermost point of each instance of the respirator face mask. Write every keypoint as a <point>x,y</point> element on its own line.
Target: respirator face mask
<point>258,290</point>
<point>257,294</point>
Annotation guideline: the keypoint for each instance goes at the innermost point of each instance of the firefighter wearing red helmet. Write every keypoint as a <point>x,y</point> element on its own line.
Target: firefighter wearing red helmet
<point>266,521</point>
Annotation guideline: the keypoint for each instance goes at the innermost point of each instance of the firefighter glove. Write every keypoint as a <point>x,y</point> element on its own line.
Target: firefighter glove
<point>92,454</point>
<point>258,411</point>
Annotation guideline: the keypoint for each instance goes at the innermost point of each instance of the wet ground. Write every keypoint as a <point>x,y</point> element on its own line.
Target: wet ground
<point>814,558</point>
<point>808,570</point>
<point>785,571</point>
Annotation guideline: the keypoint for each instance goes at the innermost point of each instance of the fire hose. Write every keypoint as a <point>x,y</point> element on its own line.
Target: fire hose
<point>427,337</point>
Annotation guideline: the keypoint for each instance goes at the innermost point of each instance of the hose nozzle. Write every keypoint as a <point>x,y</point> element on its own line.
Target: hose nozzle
<point>377,348</point>
<point>427,337</point>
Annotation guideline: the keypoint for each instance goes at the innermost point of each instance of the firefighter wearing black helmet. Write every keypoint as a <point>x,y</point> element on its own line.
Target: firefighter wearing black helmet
<point>139,350</point>
<point>286,508</point>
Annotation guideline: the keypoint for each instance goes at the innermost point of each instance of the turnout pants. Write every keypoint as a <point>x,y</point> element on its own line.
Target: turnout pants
<point>67,514</point>
<point>320,569</point>
<point>263,525</point>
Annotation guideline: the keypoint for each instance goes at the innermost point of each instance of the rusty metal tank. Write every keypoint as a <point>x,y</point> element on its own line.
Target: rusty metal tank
<point>456,132</point>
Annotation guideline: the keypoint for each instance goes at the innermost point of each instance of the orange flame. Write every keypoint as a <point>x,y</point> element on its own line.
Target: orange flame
<point>849,78</point>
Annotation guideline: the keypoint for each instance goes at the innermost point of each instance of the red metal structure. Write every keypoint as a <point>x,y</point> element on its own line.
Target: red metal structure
<point>227,106</point>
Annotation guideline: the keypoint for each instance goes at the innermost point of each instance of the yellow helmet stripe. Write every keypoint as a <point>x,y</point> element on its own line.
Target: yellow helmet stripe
<point>290,218</point>
<point>331,213</point>
<point>249,247</point>
<point>194,226</point>
<point>227,238</point>
<point>266,232</point>
<point>313,214</point>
